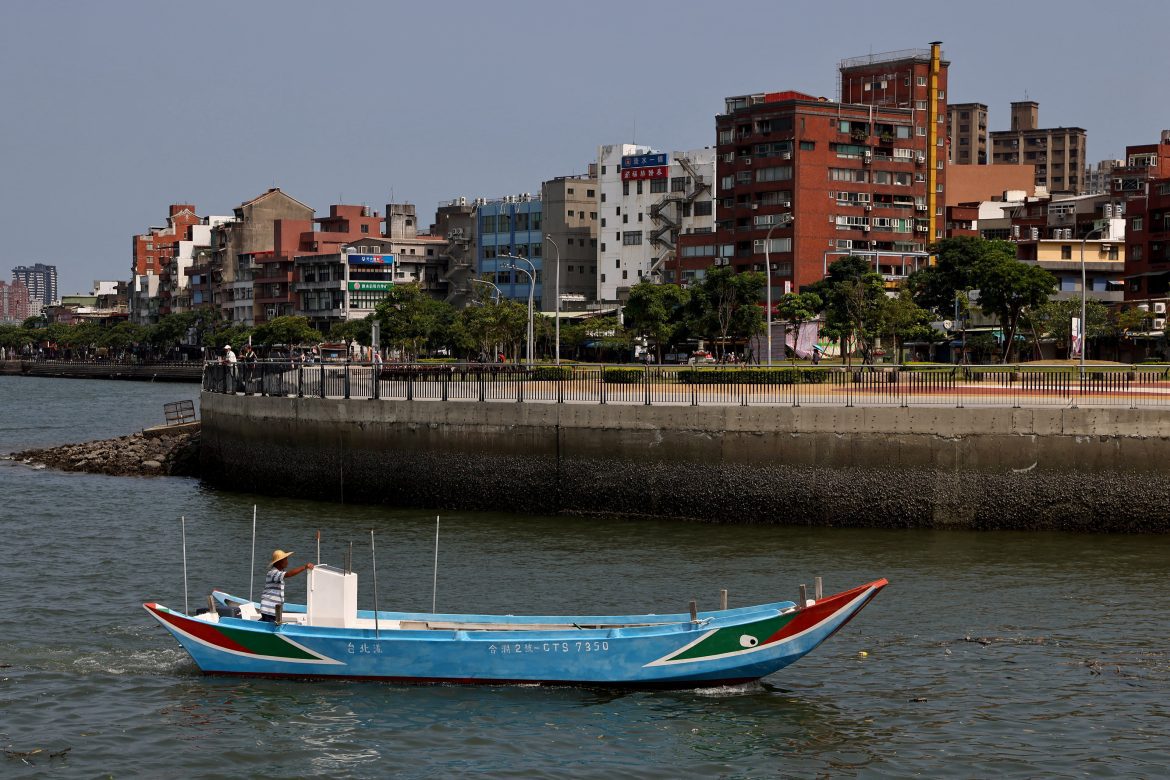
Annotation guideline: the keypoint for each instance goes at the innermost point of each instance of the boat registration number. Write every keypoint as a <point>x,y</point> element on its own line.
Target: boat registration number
<point>548,647</point>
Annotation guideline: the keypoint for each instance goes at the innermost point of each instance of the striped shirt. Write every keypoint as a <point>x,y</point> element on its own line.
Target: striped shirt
<point>273,592</point>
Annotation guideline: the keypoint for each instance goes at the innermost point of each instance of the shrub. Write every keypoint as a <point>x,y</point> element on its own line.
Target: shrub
<point>623,376</point>
<point>751,376</point>
<point>551,373</point>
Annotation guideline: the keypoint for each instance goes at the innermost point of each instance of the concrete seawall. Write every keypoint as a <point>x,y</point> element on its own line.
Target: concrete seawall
<point>1072,469</point>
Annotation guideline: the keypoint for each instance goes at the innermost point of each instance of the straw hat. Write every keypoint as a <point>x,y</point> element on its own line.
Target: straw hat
<point>279,555</point>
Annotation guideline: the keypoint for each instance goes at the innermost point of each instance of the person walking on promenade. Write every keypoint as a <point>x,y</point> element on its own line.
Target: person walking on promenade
<point>272,599</point>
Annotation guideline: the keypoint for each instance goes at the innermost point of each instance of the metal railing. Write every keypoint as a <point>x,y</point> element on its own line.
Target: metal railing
<point>1114,386</point>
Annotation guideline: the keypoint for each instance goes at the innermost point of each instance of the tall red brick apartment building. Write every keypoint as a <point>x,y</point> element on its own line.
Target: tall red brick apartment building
<point>864,175</point>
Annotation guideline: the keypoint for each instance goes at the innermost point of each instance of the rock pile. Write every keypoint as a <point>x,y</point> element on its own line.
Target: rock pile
<point>134,455</point>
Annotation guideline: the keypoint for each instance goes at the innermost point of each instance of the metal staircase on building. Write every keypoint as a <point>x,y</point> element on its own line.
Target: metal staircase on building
<point>460,267</point>
<point>666,215</point>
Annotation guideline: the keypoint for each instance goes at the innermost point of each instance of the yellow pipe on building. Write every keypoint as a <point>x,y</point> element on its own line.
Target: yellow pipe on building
<point>932,139</point>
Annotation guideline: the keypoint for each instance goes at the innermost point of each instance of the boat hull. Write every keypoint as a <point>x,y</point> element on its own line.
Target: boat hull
<point>717,648</point>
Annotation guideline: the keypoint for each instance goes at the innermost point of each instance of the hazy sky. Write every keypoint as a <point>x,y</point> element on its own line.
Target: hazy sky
<point>111,110</point>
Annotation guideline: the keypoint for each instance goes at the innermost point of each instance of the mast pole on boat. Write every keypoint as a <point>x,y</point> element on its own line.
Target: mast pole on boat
<point>435,577</point>
<point>374,565</point>
<point>183,525</point>
<point>318,559</point>
<point>252,572</point>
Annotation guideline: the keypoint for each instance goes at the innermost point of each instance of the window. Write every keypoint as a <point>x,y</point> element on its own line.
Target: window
<point>569,190</point>
<point>571,212</point>
<point>1136,224</point>
<point>603,221</point>
<point>603,249</point>
<point>625,188</point>
<point>678,184</point>
<point>632,237</point>
<point>777,173</point>
<point>920,105</point>
<point>639,183</point>
<point>702,208</point>
<point>603,278</point>
<point>920,131</point>
<point>922,81</point>
<point>625,274</point>
<point>775,245</point>
<point>727,182</point>
<point>847,174</point>
<point>589,193</point>
<point>807,146</point>
<point>625,219</point>
<point>658,185</point>
<point>365,228</point>
<point>1065,252</point>
<point>603,197</point>
<point>725,137</point>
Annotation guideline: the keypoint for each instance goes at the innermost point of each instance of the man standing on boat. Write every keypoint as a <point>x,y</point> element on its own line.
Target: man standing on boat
<point>272,600</point>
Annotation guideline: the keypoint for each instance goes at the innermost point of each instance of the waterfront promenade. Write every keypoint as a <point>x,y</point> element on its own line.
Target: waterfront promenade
<point>873,448</point>
<point>1109,386</point>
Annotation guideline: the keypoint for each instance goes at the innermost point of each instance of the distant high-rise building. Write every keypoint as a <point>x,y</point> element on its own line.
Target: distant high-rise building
<point>41,281</point>
<point>1057,152</point>
<point>14,302</point>
<point>967,133</point>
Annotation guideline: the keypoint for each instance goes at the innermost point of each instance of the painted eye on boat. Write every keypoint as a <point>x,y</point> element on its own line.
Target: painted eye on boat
<point>747,640</point>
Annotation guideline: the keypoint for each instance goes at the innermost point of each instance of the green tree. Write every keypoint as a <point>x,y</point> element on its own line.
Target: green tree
<point>962,261</point>
<point>854,295</point>
<point>1054,319</point>
<point>904,320</point>
<point>122,336</point>
<point>412,320</point>
<point>1008,288</point>
<point>289,331</point>
<point>356,330</point>
<point>654,311</point>
<point>797,309</point>
<point>725,306</point>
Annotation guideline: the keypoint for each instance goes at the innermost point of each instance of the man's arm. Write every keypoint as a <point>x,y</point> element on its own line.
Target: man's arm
<point>297,570</point>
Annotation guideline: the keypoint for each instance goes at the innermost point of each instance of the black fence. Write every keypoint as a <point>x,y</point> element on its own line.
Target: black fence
<point>868,385</point>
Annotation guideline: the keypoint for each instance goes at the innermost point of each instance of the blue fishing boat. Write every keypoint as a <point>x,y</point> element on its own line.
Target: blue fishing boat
<point>329,637</point>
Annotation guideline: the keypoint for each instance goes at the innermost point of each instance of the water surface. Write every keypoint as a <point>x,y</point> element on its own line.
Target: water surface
<point>1009,654</point>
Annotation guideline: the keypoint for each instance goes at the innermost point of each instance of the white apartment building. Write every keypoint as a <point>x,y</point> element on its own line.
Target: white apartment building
<point>646,199</point>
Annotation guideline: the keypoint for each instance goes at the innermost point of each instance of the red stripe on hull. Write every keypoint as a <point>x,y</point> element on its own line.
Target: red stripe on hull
<point>823,609</point>
<point>197,628</point>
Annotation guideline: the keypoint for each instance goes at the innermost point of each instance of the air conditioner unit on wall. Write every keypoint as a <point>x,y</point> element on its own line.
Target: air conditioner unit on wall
<point>1159,308</point>
<point>869,207</point>
<point>1160,323</point>
<point>786,156</point>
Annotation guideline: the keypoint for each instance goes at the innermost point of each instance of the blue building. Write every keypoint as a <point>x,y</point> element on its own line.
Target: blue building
<point>511,225</point>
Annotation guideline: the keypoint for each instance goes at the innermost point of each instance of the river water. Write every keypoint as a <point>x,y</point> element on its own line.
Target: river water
<point>1007,654</point>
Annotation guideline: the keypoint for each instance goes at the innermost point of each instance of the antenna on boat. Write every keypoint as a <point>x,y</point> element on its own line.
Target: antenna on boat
<point>183,523</point>
<point>349,560</point>
<point>318,545</point>
<point>374,564</point>
<point>435,579</point>
<point>252,573</point>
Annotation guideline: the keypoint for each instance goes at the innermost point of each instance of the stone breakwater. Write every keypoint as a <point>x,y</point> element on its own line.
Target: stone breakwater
<point>135,455</point>
<point>990,469</point>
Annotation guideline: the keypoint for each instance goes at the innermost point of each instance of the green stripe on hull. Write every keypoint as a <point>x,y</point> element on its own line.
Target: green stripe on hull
<point>735,638</point>
<point>263,643</point>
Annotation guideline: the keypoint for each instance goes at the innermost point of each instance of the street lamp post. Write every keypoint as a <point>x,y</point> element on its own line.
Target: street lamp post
<point>497,291</point>
<point>531,273</point>
<point>1084,325</point>
<point>768,273</point>
<point>558,304</point>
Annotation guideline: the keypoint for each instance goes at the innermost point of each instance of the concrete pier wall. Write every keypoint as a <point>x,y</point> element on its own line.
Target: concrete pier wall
<point>1073,469</point>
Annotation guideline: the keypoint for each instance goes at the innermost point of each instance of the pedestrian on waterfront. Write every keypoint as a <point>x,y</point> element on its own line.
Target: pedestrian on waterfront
<point>272,599</point>
<point>816,355</point>
<point>229,357</point>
